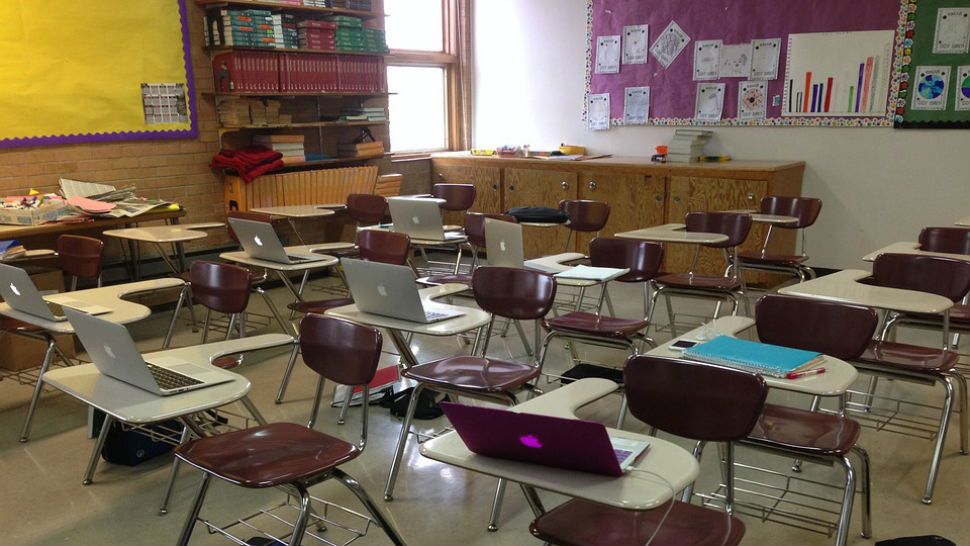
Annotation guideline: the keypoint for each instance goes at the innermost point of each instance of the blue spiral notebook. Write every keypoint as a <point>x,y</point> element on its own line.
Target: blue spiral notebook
<point>752,356</point>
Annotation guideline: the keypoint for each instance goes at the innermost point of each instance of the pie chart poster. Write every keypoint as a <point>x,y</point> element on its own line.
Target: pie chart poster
<point>936,91</point>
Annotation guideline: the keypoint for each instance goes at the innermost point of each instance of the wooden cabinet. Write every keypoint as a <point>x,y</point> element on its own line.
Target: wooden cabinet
<point>539,188</point>
<point>636,200</point>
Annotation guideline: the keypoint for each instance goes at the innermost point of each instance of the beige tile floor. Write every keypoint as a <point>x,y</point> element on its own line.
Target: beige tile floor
<point>44,503</point>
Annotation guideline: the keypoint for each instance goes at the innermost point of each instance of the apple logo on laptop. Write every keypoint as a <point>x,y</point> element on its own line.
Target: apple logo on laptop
<point>111,353</point>
<point>415,220</point>
<point>382,290</point>
<point>257,240</point>
<point>501,245</point>
<point>14,288</point>
<point>530,441</point>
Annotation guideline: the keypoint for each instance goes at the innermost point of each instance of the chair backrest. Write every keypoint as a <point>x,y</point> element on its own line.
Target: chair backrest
<point>643,258</point>
<point>945,277</point>
<point>806,209</point>
<point>247,215</point>
<point>951,240</point>
<point>840,330</point>
<point>475,226</point>
<point>514,293</point>
<point>367,209</point>
<point>693,400</point>
<point>735,225</point>
<point>80,256</point>
<point>219,286</point>
<point>384,246</point>
<point>343,352</point>
<point>458,197</point>
<point>585,215</point>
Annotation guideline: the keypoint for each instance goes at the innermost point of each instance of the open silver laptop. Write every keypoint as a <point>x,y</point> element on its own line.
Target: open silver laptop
<point>388,290</point>
<point>503,243</point>
<point>260,241</point>
<point>420,219</point>
<point>20,293</point>
<point>113,352</point>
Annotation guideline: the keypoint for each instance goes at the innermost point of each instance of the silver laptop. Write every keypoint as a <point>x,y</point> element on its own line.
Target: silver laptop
<point>20,293</point>
<point>503,243</point>
<point>113,352</point>
<point>388,290</point>
<point>260,241</point>
<point>420,219</point>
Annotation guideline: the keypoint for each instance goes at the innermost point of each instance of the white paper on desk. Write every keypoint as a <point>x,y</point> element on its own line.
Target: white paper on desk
<point>963,93</point>
<point>599,111</point>
<point>636,105</point>
<point>931,87</point>
<point>735,61</point>
<point>635,39</point>
<point>590,273</point>
<point>707,59</point>
<point>608,54</point>
<point>669,44</point>
<point>752,100</point>
<point>952,30</point>
<point>710,101</point>
<point>72,188</point>
<point>764,59</point>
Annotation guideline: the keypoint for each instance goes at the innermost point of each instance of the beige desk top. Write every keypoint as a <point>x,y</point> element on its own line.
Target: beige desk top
<point>299,211</point>
<point>240,256</point>
<point>963,221</point>
<point>905,247</point>
<point>844,287</point>
<point>673,233</point>
<point>165,234</point>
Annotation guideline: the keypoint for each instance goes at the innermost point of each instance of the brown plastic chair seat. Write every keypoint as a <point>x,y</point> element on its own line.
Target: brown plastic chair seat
<point>585,523</point>
<point>319,306</point>
<point>908,357</point>
<point>598,325</point>
<point>686,280</point>
<point>473,373</point>
<point>268,455</point>
<point>461,278</point>
<point>773,259</point>
<point>804,431</point>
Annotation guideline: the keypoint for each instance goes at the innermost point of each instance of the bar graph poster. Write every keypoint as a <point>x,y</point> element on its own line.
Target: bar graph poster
<point>838,74</point>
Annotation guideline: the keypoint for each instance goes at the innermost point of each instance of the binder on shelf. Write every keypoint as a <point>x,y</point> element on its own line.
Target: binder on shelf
<point>761,358</point>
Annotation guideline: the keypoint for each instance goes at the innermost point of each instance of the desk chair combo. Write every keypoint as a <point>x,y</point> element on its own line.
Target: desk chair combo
<point>512,293</point>
<point>729,286</point>
<point>292,457</point>
<point>585,216</point>
<point>806,210</point>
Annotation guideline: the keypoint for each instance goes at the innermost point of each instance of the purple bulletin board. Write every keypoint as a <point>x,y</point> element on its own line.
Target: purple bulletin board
<point>672,90</point>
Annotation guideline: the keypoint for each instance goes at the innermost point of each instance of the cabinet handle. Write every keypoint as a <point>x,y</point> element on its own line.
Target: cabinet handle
<point>750,196</point>
<point>592,185</point>
<point>677,199</point>
<point>494,187</point>
<point>511,188</point>
<point>565,185</point>
<point>441,176</point>
<point>659,198</point>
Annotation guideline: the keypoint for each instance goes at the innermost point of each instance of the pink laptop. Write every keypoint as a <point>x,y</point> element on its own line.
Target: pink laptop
<point>573,444</point>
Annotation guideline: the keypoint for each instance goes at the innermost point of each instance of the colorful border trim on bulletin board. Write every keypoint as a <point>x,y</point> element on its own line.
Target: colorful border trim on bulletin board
<point>115,136</point>
<point>916,52</point>
<point>903,24</point>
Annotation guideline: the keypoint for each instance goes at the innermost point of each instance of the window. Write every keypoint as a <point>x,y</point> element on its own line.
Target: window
<point>426,74</point>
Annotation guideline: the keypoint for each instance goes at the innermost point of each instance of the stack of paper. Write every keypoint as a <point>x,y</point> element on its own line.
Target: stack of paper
<point>589,273</point>
<point>687,145</point>
<point>291,146</point>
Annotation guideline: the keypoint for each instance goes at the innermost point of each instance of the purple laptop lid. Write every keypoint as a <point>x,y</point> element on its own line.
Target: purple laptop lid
<point>573,444</point>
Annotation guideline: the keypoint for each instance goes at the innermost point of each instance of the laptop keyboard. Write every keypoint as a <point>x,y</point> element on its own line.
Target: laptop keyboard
<point>621,454</point>
<point>167,379</point>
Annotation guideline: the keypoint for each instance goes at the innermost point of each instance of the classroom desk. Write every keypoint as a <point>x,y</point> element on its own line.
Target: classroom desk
<point>838,377</point>
<point>128,404</point>
<point>963,221</point>
<point>122,312</point>
<point>632,491</point>
<point>157,236</point>
<point>673,233</point>
<point>283,270</point>
<point>770,219</point>
<point>292,213</point>
<point>57,228</point>
<point>843,287</point>
<point>905,247</point>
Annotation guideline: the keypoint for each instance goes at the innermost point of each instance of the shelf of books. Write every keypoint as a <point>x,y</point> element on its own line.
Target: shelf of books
<point>361,9</point>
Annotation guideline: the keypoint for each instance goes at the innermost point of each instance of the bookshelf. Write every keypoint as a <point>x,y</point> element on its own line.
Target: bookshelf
<point>296,90</point>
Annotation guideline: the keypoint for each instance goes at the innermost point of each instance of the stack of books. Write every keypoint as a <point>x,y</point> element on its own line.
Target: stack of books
<point>257,112</point>
<point>318,3</point>
<point>352,36</point>
<point>318,35</point>
<point>361,149</point>
<point>359,5</point>
<point>234,112</point>
<point>291,146</point>
<point>242,28</point>
<point>285,31</point>
<point>760,358</point>
<point>273,112</point>
<point>363,114</point>
<point>687,145</point>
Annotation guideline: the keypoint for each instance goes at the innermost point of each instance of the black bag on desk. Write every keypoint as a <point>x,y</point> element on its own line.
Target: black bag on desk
<point>544,215</point>
<point>130,447</point>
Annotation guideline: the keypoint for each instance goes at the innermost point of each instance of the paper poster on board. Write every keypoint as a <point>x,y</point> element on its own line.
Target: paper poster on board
<point>709,103</point>
<point>952,33</point>
<point>669,44</point>
<point>635,44</point>
<point>764,59</point>
<point>636,105</point>
<point>735,61</point>
<point>932,85</point>
<point>707,59</point>
<point>599,112</point>
<point>608,54</point>
<point>963,89</point>
<point>752,100</point>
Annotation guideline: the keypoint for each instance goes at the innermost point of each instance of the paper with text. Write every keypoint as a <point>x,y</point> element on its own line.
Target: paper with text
<point>636,105</point>
<point>710,101</point>
<point>932,87</point>
<point>952,30</point>
<point>752,100</point>
<point>635,39</point>
<point>608,54</point>
<point>707,59</point>
<point>599,111</point>
<point>669,44</point>
<point>735,61</point>
<point>764,59</point>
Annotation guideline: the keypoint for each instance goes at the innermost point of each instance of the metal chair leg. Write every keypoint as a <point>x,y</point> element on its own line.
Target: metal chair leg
<point>229,328</point>
<point>299,526</point>
<point>96,453</point>
<point>623,409</point>
<point>866,491</point>
<point>401,443</point>
<point>163,509</point>
<point>205,325</point>
<point>287,373</point>
<point>194,511</point>
<point>316,403</point>
<point>38,388</point>
<point>175,316</point>
<point>940,441</point>
<point>375,512</point>
<point>848,496</point>
<point>670,316</point>
<point>496,506</point>
<point>697,453</point>
<point>342,418</point>
<point>816,401</point>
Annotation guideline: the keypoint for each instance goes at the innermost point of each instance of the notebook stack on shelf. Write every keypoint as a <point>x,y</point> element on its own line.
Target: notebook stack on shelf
<point>285,31</point>
<point>361,149</point>
<point>760,358</point>
<point>687,145</point>
<point>363,114</point>
<point>240,28</point>
<point>359,5</point>
<point>234,112</point>
<point>318,3</point>
<point>291,146</point>
<point>317,35</point>
<point>352,36</point>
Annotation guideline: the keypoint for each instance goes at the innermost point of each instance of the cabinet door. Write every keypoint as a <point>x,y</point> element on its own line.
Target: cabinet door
<point>636,201</point>
<point>688,194</point>
<point>487,182</point>
<point>540,188</point>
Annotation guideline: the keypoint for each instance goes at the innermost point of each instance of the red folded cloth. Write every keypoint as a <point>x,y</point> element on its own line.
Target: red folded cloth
<point>248,162</point>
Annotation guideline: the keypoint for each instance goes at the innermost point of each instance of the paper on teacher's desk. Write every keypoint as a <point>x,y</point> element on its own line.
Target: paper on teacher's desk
<point>669,44</point>
<point>599,111</point>
<point>74,188</point>
<point>589,273</point>
<point>735,61</point>
<point>952,30</point>
<point>764,59</point>
<point>636,105</point>
<point>707,59</point>
<point>608,54</point>
<point>635,39</point>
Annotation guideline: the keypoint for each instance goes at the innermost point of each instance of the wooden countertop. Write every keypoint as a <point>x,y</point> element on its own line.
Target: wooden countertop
<point>56,228</point>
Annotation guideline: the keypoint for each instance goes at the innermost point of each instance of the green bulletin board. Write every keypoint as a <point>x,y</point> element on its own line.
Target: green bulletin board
<point>935,89</point>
